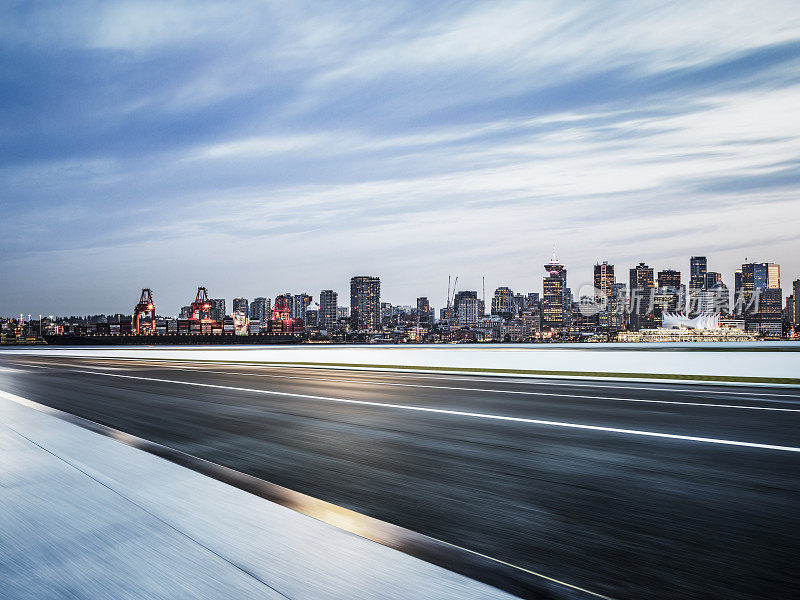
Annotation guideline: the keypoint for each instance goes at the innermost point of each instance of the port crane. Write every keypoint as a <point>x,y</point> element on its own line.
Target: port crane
<point>145,306</point>
<point>201,305</point>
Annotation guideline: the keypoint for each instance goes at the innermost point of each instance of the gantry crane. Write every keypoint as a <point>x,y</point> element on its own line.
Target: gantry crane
<point>201,305</point>
<point>145,306</point>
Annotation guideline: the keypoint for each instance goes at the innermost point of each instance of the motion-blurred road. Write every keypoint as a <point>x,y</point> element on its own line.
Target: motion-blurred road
<point>568,482</point>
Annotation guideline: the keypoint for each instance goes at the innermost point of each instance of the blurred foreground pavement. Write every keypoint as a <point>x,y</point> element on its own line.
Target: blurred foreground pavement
<point>85,516</point>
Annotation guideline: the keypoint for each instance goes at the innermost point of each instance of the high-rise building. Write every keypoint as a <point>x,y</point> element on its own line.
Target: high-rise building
<point>556,267</point>
<point>259,309</point>
<point>241,306</point>
<point>669,278</point>
<point>468,312</point>
<point>424,313</point>
<point>603,280</point>
<point>311,318</point>
<point>669,283</point>
<point>788,313</point>
<point>754,277</point>
<point>698,265</point>
<point>459,297</point>
<point>365,303</point>
<point>217,308</point>
<point>328,300</point>
<point>773,276</point>
<point>502,302</point>
<point>769,320</point>
<point>298,304</point>
<point>554,296</point>
<point>796,294</point>
<point>617,304</point>
<point>760,301</point>
<point>642,297</point>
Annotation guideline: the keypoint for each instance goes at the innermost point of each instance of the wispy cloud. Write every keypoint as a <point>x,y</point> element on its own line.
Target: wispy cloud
<point>291,145</point>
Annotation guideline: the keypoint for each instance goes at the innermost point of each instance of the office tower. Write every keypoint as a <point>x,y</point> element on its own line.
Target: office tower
<point>502,302</point>
<point>424,314</point>
<point>461,296</point>
<point>796,294</point>
<point>553,296</point>
<point>217,308</point>
<point>770,313</point>
<point>788,313</point>
<point>754,277</point>
<point>532,300</point>
<point>603,280</point>
<point>240,306</point>
<point>468,312</point>
<point>773,276</point>
<point>662,303</point>
<point>365,303</point>
<point>328,309</point>
<point>259,309</point>
<point>669,282</point>
<point>761,298</point>
<point>698,265</point>
<point>669,278</point>
<point>642,297</point>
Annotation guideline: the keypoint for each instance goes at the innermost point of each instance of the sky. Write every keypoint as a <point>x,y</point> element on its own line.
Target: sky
<point>266,147</point>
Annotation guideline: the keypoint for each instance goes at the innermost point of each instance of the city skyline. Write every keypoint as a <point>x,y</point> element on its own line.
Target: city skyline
<point>148,146</point>
<point>456,286</point>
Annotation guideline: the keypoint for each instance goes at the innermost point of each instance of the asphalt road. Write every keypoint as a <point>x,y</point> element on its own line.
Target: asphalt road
<point>563,477</point>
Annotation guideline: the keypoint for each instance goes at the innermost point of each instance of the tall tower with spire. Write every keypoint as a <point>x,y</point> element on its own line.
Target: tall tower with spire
<point>556,268</point>
<point>553,297</point>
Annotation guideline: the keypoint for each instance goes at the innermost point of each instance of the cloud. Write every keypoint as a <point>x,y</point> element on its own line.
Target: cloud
<point>291,145</point>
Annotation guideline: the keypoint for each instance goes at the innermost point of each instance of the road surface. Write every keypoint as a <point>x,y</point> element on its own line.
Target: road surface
<point>631,490</point>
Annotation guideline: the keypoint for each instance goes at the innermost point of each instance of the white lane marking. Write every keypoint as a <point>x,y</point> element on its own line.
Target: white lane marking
<point>460,413</point>
<point>491,391</point>
<point>408,375</point>
<point>483,377</point>
<point>466,389</point>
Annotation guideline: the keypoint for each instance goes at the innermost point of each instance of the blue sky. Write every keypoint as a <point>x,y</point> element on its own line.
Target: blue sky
<point>262,147</point>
